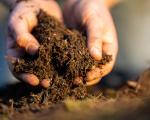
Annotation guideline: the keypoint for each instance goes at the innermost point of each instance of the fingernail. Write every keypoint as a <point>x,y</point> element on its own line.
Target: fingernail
<point>96,53</point>
<point>45,83</point>
<point>93,82</point>
<point>32,48</point>
<point>29,78</point>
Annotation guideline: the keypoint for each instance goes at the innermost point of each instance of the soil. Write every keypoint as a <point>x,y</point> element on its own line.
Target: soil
<point>63,53</point>
<point>62,57</point>
<point>131,101</point>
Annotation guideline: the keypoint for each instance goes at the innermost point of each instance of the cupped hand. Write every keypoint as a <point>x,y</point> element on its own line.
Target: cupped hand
<point>95,18</point>
<point>20,40</point>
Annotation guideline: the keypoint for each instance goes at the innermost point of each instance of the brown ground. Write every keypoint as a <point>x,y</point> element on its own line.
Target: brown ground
<point>130,102</point>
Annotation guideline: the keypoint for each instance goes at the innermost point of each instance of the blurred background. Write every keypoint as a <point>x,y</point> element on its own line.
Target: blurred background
<point>4,72</point>
<point>132,20</point>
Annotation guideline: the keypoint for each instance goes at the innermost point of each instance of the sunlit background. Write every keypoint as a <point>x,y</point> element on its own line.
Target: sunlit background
<point>132,20</point>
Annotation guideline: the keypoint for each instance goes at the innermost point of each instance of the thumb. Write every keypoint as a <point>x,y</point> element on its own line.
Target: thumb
<point>21,22</point>
<point>94,32</point>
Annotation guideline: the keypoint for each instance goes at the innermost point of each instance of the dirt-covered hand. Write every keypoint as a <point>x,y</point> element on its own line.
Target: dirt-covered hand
<point>20,40</point>
<point>94,17</point>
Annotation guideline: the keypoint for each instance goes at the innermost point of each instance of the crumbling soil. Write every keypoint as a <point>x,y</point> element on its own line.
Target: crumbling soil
<point>61,58</point>
<point>62,55</point>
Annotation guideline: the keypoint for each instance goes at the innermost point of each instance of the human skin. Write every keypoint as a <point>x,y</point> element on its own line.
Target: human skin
<point>91,15</point>
<point>22,20</point>
<point>95,18</point>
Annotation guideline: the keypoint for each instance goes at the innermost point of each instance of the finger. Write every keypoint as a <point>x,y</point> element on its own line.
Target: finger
<point>95,73</point>
<point>20,25</point>
<point>45,83</point>
<point>93,76</point>
<point>28,43</point>
<point>93,82</point>
<point>106,69</point>
<point>94,32</point>
<point>28,78</point>
<point>110,45</point>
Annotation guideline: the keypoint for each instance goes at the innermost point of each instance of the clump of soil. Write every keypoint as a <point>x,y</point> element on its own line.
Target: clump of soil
<point>62,57</point>
<point>62,53</point>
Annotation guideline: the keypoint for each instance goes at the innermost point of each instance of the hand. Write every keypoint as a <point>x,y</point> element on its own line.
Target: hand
<point>94,17</point>
<point>22,20</point>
